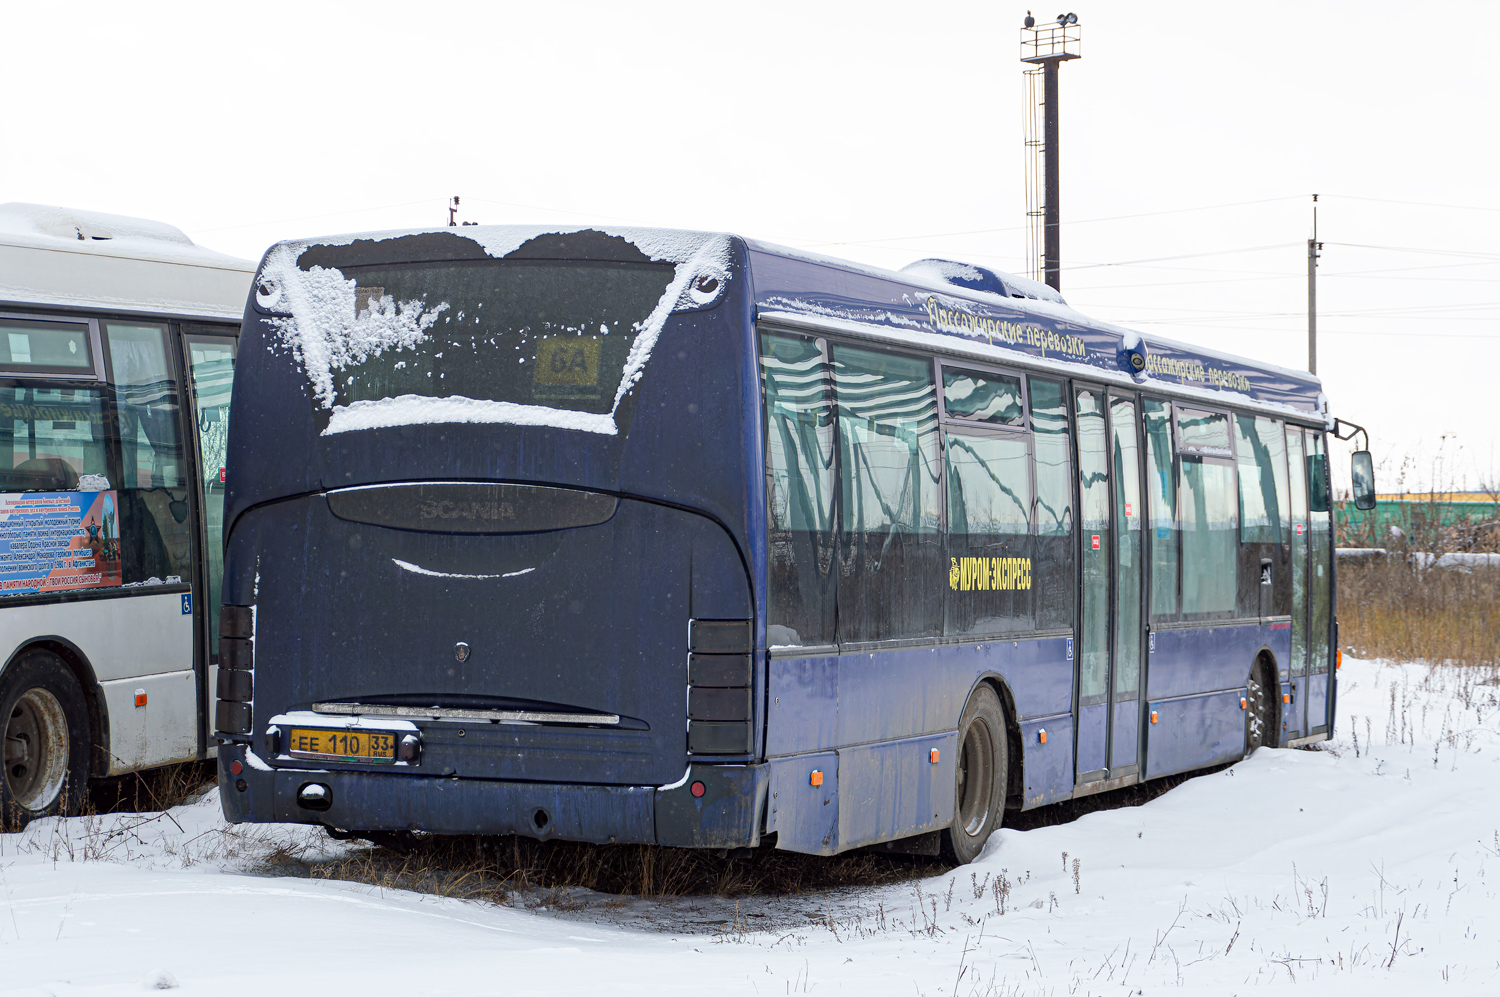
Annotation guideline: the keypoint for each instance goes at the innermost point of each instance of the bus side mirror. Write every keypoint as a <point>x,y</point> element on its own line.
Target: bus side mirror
<point>1362,471</point>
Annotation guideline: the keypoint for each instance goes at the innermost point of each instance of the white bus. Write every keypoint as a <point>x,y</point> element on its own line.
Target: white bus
<point>117,345</point>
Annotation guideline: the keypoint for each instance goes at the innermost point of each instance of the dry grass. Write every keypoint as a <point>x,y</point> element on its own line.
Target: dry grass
<point>1394,608</point>
<point>497,868</point>
<point>542,873</point>
<point>154,789</point>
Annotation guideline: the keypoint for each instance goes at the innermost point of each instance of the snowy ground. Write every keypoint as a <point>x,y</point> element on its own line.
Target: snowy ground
<point>1369,867</point>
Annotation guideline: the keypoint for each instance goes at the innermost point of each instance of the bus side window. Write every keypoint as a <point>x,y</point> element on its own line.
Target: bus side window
<point>1161,494</point>
<point>893,574</point>
<point>800,488</point>
<point>1209,514</point>
<point>155,534</point>
<point>1053,586</point>
<point>989,534</point>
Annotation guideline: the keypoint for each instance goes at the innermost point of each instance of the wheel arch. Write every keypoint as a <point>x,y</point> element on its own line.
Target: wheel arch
<point>93,696</point>
<point>1265,660</point>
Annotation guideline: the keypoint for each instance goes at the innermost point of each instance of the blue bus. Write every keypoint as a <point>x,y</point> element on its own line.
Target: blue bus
<point>633,535</point>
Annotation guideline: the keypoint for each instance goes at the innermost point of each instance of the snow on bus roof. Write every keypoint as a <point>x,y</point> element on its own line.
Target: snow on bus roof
<point>53,256</point>
<point>966,312</point>
<point>1024,302</point>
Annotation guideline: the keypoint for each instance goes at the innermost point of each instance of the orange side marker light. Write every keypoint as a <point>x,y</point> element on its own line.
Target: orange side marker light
<point>140,697</point>
<point>933,756</point>
<point>1244,704</point>
<point>816,778</point>
<point>1338,659</point>
<point>1041,737</point>
<point>1153,716</point>
<point>1286,697</point>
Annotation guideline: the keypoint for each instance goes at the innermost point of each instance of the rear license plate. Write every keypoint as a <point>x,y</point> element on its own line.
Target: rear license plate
<point>341,745</point>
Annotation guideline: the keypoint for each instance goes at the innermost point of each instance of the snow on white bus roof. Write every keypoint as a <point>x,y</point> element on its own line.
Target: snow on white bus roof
<point>65,257</point>
<point>326,332</point>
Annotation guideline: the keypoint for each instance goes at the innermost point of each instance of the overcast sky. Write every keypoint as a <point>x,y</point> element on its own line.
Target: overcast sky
<point>1193,137</point>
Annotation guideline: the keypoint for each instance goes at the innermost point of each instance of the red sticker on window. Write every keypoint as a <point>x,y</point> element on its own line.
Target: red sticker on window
<point>1127,510</point>
<point>221,474</point>
<point>1095,540</point>
<point>1299,529</point>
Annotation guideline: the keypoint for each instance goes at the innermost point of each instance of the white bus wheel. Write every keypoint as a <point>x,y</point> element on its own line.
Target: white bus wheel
<point>46,740</point>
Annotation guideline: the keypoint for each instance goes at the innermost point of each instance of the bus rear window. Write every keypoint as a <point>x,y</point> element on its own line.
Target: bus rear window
<point>555,334</point>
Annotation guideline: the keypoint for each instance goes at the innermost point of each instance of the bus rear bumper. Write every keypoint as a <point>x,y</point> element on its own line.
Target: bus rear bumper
<point>726,815</point>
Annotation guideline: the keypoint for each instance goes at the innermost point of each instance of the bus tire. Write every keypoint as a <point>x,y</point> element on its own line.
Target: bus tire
<point>981,775</point>
<point>45,750</point>
<point>1261,710</point>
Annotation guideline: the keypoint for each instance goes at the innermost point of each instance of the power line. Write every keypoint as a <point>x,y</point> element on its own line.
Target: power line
<point>325,214</point>
<point>1418,204</point>
<point>1083,221</point>
<point>1185,256</point>
<point>1486,254</point>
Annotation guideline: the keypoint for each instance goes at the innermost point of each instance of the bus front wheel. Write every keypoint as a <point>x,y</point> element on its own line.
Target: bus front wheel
<point>981,777</point>
<point>46,740</point>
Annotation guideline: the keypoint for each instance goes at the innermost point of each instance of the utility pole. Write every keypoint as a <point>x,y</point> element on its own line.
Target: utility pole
<point>1047,47</point>
<point>1314,250</point>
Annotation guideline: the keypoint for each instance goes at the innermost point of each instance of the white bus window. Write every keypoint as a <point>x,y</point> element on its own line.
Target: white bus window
<point>211,368</point>
<point>30,344</point>
<point>154,528</point>
<point>52,438</point>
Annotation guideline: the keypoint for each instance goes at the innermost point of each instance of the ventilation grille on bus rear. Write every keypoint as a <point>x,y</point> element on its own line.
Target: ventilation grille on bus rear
<point>471,507</point>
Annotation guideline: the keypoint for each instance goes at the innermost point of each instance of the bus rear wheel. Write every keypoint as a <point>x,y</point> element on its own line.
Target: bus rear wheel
<point>981,777</point>
<point>46,740</point>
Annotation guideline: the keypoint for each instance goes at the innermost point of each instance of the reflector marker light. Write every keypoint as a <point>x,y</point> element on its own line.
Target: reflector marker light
<point>1338,659</point>
<point>933,756</point>
<point>1286,697</point>
<point>1244,704</point>
<point>698,789</point>
<point>140,697</point>
<point>1041,737</point>
<point>1153,716</point>
<point>816,778</point>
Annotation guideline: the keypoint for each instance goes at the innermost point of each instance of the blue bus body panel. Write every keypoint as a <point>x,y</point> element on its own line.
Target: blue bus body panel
<point>878,715</point>
<point>804,705</point>
<point>1093,737</point>
<point>1194,732</point>
<point>805,817</point>
<point>1125,745</point>
<point>377,801</point>
<point>1048,765</point>
<point>1317,701</point>
<point>892,789</point>
<point>1188,660</point>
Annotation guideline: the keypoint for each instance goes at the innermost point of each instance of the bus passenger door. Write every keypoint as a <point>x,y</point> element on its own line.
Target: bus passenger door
<point>1108,654</point>
<point>1125,708</point>
<point>1294,675</point>
<point>210,364</point>
<point>1317,690</point>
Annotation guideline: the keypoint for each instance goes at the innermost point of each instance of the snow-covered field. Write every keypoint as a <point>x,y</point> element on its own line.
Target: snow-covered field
<point>1369,867</point>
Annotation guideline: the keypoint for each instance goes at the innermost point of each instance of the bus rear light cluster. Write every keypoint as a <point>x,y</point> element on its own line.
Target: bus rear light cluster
<point>236,669</point>
<point>720,710</point>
